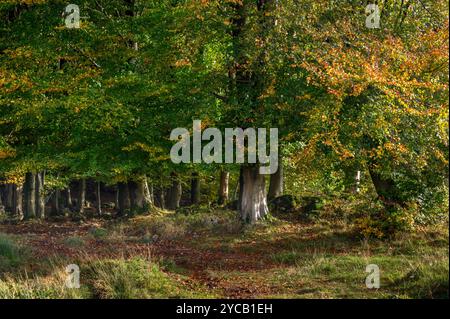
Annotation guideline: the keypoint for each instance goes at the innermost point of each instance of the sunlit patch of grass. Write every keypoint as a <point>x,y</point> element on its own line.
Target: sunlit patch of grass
<point>52,286</point>
<point>134,279</point>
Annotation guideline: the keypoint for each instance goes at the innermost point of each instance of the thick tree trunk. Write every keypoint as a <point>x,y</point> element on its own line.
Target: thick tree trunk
<point>68,193</point>
<point>98,194</point>
<point>241,187</point>
<point>142,198</point>
<point>160,197</point>
<point>56,207</point>
<point>135,196</point>
<point>195,189</point>
<point>17,201</point>
<point>116,198</point>
<point>124,198</point>
<point>9,193</point>
<point>253,204</point>
<point>276,185</point>
<point>81,203</point>
<point>174,193</point>
<point>40,195</point>
<point>140,195</point>
<point>223,187</point>
<point>30,196</point>
<point>148,194</point>
<point>386,189</point>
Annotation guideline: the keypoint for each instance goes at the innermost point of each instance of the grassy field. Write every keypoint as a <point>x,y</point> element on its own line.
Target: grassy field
<point>211,254</point>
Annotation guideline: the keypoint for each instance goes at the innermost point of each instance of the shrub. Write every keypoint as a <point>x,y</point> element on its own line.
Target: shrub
<point>130,279</point>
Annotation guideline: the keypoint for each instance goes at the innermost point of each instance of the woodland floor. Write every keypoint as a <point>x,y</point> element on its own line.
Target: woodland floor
<point>213,255</point>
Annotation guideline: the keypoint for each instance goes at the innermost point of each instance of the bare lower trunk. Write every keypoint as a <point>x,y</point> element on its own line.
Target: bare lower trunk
<point>30,196</point>
<point>276,185</point>
<point>148,193</point>
<point>124,198</point>
<point>68,198</point>
<point>174,193</point>
<point>17,201</point>
<point>223,187</point>
<point>56,208</point>
<point>386,189</point>
<point>140,194</point>
<point>98,194</point>
<point>253,203</point>
<point>81,196</point>
<point>40,195</point>
<point>161,198</point>
<point>195,189</point>
<point>9,190</point>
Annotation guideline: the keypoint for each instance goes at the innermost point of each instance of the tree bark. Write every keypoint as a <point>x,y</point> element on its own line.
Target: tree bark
<point>99,198</point>
<point>253,204</point>
<point>56,208</point>
<point>148,193</point>
<point>30,196</point>
<point>68,193</point>
<point>124,198</point>
<point>276,186</point>
<point>174,193</point>
<point>17,201</point>
<point>135,195</point>
<point>195,189</point>
<point>9,193</point>
<point>160,197</point>
<point>81,196</point>
<point>223,187</point>
<point>386,189</point>
<point>143,197</point>
<point>40,195</point>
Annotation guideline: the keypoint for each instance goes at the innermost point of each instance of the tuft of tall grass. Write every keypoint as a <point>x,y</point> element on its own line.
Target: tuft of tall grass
<point>11,253</point>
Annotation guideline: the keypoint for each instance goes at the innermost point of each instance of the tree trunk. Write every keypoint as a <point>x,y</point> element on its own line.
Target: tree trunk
<point>124,198</point>
<point>148,194</point>
<point>223,187</point>
<point>30,196</point>
<point>143,198</point>
<point>276,185</point>
<point>9,196</point>
<point>40,195</point>
<point>160,197</point>
<point>56,208</point>
<point>386,189</point>
<point>195,189</point>
<point>174,193</point>
<point>253,203</point>
<point>135,196</point>
<point>99,198</point>
<point>241,187</point>
<point>17,201</point>
<point>68,198</point>
<point>116,198</point>
<point>81,196</point>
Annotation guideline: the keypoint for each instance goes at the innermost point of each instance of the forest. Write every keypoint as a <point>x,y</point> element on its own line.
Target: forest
<point>95,96</point>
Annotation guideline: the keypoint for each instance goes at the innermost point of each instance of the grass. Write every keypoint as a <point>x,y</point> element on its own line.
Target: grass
<point>212,254</point>
<point>133,279</point>
<point>11,253</point>
<point>75,242</point>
